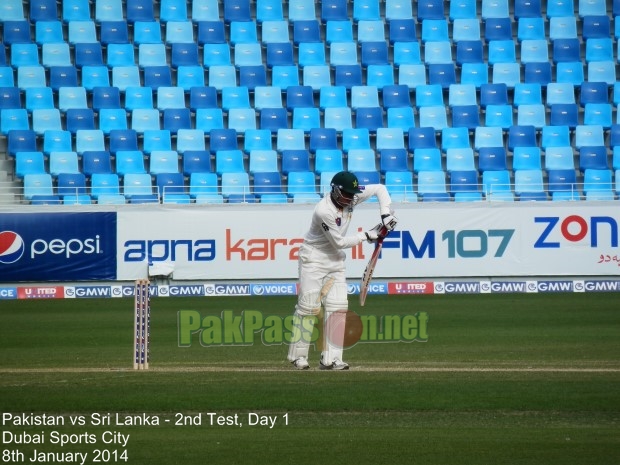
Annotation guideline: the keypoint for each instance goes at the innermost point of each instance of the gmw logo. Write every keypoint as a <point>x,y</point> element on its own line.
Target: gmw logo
<point>11,247</point>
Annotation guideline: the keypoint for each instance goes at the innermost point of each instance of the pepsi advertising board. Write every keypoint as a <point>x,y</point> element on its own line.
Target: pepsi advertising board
<point>57,247</point>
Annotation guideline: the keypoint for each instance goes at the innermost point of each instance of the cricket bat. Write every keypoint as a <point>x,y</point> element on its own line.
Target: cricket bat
<point>370,267</point>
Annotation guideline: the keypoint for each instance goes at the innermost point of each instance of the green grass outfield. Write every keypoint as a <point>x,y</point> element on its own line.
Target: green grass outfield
<point>502,379</point>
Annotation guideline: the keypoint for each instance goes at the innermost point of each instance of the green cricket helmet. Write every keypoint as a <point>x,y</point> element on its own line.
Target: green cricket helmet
<point>345,188</point>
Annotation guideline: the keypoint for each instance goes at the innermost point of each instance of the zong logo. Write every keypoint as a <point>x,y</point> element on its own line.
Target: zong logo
<point>11,247</point>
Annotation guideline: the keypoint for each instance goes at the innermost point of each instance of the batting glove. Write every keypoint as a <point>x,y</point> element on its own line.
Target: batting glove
<point>389,221</point>
<point>375,233</point>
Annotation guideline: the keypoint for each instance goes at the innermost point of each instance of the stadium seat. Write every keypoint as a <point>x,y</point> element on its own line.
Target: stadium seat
<point>196,161</point>
<point>421,137</point>
<point>21,141</point>
<point>38,185</point>
<point>156,139</point>
<point>559,158</point>
<point>494,182</point>
<point>400,117</point>
<point>560,180</point>
<point>464,181</point>
<point>328,160</point>
<point>29,163</point>
<point>295,161</point>
<point>71,184</point>
<point>300,182</point>
<point>431,182</point>
<point>460,159</point>
<point>492,159</point>
<point>257,139</point>
<point>521,136</point>
<point>393,160</point>
<point>203,183</point>
<point>339,118</point>
<point>356,138</point>
<point>170,184</point>
<point>190,140</point>
<point>599,180</point>
<point>363,160</point>
<point>593,158</point>
<point>425,159</point>
<point>104,183</point>
<point>129,161</point>
<point>526,158</point>
<point>123,139</point>
<point>400,186</point>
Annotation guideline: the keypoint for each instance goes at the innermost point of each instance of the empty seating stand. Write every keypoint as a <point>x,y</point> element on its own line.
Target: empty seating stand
<point>484,99</point>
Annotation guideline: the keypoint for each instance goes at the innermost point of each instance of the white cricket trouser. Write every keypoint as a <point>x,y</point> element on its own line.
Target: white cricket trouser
<point>317,271</point>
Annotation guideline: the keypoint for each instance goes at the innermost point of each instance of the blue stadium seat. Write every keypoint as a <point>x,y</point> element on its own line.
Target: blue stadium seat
<point>196,161</point>
<point>528,181</point>
<point>184,54</point>
<point>469,51</point>
<point>531,29</point>
<point>566,50</point>
<point>406,53</point>
<point>137,185</point>
<point>499,116</point>
<point>82,32</point>
<point>202,97</point>
<point>305,31</point>
<point>521,136</point>
<point>243,32</point>
<point>265,183</point>
<point>597,180</point>
<point>257,139</point>
<point>430,10</point>
<point>421,137</point>
<point>157,76</point>
<point>498,29</point>
<point>263,161</point>
<point>401,30</point>
<point>322,138</point>
<point>242,119</point>
<point>460,159</point>
<point>494,182</point>
<point>211,32</point>
<point>17,32</point>
<point>37,98</point>
<point>252,76</point>
<point>21,141</point>
<point>334,10</point>
<point>363,160</point>
<point>400,186</point>
<point>221,76</point>
<point>24,55</point>
<point>273,119</point>
<point>328,160</point>
<point>38,185</point>
<point>466,29</point>
<point>163,161</point>
<point>564,114</point>
<point>56,54</point>
<point>596,27</point>
<point>526,158</point>
<point>89,140</point>
<point>71,184</point>
<point>454,138</point>
<point>10,98</point>
<point>95,76</point>
<point>356,138</point>
<point>222,139</point>
<point>43,10</point>
<point>562,28</point>
<point>538,72</point>
<point>129,161</point>
<point>426,159</point>
<point>555,136</point>
<point>112,119</point>
<point>295,161</point>
<point>29,163</point>
<point>591,135</point>
<point>275,31</point>
<point>559,158</point>
<point>464,181</point>
<point>389,138</point>
<point>534,51</point>
<point>158,139</point>
<point>123,140</point>
<point>179,32</point>
<point>492,159</point>
<point>533,115</point>
<point>506,73</point>
<point>465,116</point>
<point>598,114</point>
<point>176,119</point>
<point>338,31</point>
<point>338,118</point>
<point>144,119</point>
<point>267,97</point>
<point>203,183</point>
<point>208,119</point>
<point>138,98</point>
<point>124,77</point>
<point>170,184</point>
<point>139,10</point>
<point>189,77</point>
<point>433,116</point>
<point>190,140</point>
<point>306,118</point>
<point>147,32</point>
<point>316,76</point>
<point>348,75</point>
<point>561,180</point>
<point>402,118</point>
<point>300,182</point>
<point>438,53</point>
<point>71,97</point>
<point>431,182</point>
<point>42,120</point>
<point>279,54</point>
<point>393,160</point>
<point>593,158</point>
<point>173,10</point>
<point>369,118</point>
<point>114,32</point>
<point>96,162</point>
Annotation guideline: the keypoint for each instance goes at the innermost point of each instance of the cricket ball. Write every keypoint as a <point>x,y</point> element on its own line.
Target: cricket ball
<point>344,328</point>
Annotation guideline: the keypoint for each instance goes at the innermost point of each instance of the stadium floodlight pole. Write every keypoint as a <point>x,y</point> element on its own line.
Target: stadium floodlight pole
<point>370,267</point>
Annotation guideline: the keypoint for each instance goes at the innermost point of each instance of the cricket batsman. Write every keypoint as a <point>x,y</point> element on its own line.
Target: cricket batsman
<point>321,264</point>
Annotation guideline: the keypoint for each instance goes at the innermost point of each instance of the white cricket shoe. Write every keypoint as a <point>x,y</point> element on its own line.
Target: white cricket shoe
<point>337,364</point>
<point>301,363</point>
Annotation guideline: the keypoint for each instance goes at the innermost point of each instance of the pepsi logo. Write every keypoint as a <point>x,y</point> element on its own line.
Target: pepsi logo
<point>11,247</point>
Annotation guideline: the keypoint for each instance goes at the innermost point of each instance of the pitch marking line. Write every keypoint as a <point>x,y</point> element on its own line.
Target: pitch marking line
<point>363,369</point>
